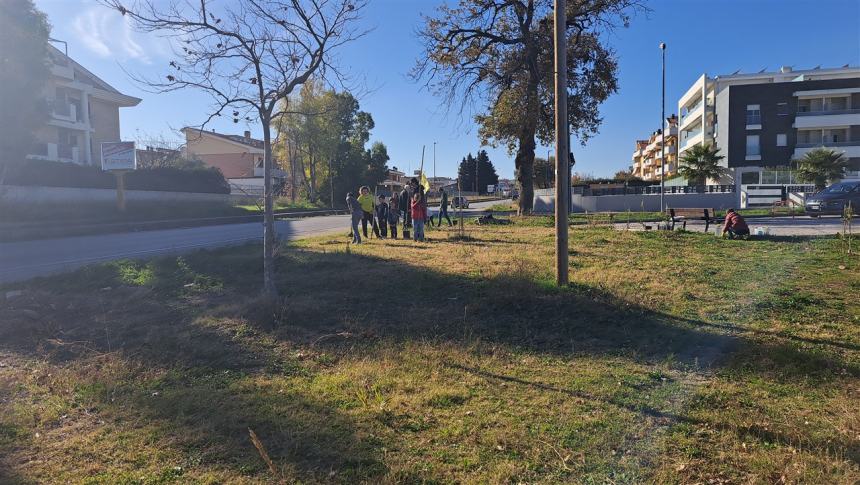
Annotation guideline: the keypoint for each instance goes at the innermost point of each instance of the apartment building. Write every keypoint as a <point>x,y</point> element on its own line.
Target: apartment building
<point>84,113</point>
<point>648,154</point>
<point>761,122</point>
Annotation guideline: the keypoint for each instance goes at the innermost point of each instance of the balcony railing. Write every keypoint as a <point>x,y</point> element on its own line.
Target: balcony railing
<point>829,112</point>
<point>829,144</point>
<point>64,151</point>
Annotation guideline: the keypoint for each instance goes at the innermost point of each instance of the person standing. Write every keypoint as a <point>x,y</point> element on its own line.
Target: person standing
<point>393,216</point>
<point>405,201</point>
<point>382,216</point>
<point>443,207</point>
<point>355,213</point>
<point>366,202</point>
<point>419,213</point>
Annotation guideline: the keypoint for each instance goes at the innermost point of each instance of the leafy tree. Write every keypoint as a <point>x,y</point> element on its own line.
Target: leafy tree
<point>701,163</point>
<point>24,73</point>
<point>499,53</point>
<point>820,167</point>
<point>626,176</point>
<point>544,172</point>
<point>486,173</point>
<point>248,56</point>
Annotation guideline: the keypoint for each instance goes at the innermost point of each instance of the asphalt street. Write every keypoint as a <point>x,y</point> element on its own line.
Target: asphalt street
<point>28,259</point>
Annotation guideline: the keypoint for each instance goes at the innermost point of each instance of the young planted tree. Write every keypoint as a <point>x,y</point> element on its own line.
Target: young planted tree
<point>821,166</point>
<point>499,54</point>
<point>24,32</point>
<point>248,55</point>
<point>701,163</point>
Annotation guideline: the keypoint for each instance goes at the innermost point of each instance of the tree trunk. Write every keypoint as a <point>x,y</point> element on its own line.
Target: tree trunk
<point>269,240</point>
<point>524,164</point>
<point>313,168</point>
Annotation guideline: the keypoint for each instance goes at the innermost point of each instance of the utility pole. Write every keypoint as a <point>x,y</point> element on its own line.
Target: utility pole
<point>435,180</point>
<point>331,182</point>
<point>562,172</point>
<point>663,130</point>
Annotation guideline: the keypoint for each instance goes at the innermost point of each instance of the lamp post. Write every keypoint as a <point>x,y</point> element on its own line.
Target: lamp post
<point>562,172</point>
<point>663,129</point>
<point>435,180</point>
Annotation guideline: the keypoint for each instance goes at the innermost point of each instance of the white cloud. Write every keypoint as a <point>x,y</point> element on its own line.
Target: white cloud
<point>110,35</point>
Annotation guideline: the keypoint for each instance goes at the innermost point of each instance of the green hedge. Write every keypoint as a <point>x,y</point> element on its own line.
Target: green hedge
<point>58,174</point>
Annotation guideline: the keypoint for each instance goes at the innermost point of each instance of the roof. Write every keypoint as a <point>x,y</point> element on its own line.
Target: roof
<point>100,87</point>
<point>249,142</point>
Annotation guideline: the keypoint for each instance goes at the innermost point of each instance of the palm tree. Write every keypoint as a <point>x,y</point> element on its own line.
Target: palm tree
<point>820,167</point>
<point>701,163</point>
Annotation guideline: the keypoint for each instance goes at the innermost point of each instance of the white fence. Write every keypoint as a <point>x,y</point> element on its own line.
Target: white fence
<point>545,202</point>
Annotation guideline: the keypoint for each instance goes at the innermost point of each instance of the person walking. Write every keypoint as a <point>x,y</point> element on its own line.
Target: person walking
<point>393,216</point>
<point>419,214</point>
<point>356,213</point>
<point>365,199</point>
<point>382,216</point>
<point>443,207</point>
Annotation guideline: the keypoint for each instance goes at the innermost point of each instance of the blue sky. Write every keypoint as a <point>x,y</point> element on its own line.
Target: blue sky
<point>717,37</point>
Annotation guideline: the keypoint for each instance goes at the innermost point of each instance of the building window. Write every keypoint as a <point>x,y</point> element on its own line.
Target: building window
<point>753,114</point>
<point>782,109</point>
<point>753,146</point>
<point>781,140</point>
<point>750,178</point>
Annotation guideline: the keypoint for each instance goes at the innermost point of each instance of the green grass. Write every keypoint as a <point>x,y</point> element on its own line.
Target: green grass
<point>671,358</point>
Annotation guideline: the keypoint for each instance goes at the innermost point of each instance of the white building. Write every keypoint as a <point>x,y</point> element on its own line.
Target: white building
<point>84,112</point>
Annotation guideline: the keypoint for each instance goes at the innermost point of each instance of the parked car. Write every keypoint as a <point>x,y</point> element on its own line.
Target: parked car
<point>460,203</point>
<point>833,199</point>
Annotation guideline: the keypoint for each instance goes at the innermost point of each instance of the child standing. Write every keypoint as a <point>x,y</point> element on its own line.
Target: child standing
<point>419,213</point>
<point>382,215</point>
<point>355,214</point>
<point>393,216</point>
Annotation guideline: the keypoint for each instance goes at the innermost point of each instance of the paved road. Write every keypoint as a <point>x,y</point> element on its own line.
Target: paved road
<point>779,226</point>
<point>28,259</point>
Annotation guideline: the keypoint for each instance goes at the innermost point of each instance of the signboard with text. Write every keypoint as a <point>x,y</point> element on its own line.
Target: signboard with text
<point>491,189</point>
<point>118,155</point>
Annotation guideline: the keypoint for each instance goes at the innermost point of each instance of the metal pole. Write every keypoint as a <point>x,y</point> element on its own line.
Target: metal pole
<point>562,172</point>
<point>331,182</point>
<point>435,180</point>
<point>663,130</point>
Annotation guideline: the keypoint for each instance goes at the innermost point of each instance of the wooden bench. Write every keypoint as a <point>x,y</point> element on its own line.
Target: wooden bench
<point>684,215</point>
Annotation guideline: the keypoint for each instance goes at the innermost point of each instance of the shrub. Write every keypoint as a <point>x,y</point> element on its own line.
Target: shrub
<point>59,174</point>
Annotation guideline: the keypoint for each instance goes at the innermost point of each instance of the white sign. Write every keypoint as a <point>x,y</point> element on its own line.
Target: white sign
<point>491,189</point>
<point>119,155</point>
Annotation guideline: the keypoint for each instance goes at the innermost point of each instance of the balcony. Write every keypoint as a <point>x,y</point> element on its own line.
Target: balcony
<point>692,114</point>
<point>64,111</point>
<point>851,149</point>
<point>691,138</point>
<point>826,119</point>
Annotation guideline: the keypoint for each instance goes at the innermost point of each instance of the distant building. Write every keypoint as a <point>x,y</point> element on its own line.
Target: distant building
<point>238,157</point>
<point>393,183</point>
<point>648,154</point>
<point>84,113</point>
<point>761,122</point>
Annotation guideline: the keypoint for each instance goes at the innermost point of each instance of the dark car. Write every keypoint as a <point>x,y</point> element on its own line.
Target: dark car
<point>833,199</point>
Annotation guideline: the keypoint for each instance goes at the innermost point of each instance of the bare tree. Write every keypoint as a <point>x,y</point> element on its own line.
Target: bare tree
<point>248,55</point>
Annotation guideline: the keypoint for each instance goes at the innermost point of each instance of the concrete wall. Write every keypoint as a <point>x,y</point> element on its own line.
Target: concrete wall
<point>545,202</point>
<point>16,195</point>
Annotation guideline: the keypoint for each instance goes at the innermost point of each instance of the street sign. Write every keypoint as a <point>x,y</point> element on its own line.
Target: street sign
<point>118,155</point>
<point>491,189</point>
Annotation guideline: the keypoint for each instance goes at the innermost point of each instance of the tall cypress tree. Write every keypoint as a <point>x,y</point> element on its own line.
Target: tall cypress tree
<point>24,72</point>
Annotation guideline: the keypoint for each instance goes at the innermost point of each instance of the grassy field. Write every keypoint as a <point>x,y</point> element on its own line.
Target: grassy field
<point>671,358</point>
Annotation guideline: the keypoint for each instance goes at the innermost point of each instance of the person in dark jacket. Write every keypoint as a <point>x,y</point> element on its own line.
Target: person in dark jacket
<point>735,225</point>
<point>382,215</point>
<point>443,207</point>
<point>393,216</point>
<point>356,214</point>
<point>405,201</point>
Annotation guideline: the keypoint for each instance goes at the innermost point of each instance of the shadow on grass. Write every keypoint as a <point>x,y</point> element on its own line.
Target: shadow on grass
<point>154,314</point>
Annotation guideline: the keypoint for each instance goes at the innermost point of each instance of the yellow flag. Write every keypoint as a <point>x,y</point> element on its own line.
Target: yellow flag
<point>425,183</point>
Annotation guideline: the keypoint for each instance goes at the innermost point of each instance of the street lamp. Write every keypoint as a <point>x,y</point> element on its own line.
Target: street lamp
<point>663,129</point>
